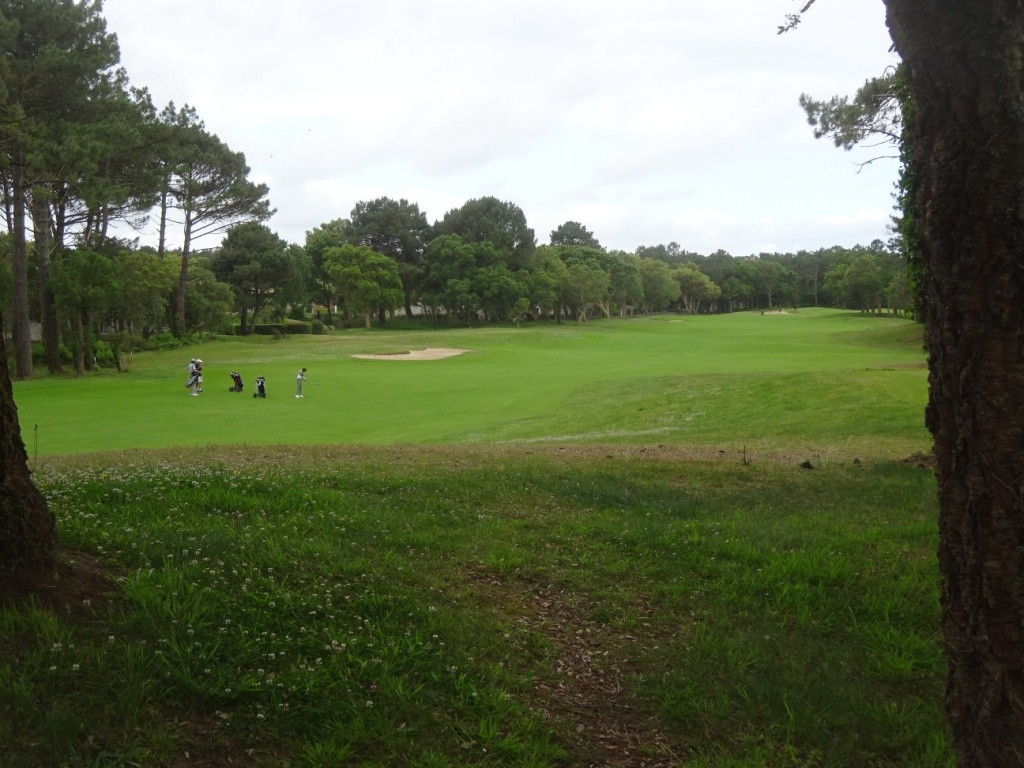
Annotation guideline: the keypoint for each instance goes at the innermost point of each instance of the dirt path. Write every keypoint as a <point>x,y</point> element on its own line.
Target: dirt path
<point>588,699</point>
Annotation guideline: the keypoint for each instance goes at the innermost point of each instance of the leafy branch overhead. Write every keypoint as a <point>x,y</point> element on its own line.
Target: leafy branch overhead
<point>794,19</point>
<point>874,112</point>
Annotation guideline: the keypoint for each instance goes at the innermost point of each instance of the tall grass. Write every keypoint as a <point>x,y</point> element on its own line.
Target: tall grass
<point>408,607</point>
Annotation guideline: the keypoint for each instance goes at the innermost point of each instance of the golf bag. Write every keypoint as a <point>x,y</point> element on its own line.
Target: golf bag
<point>261,389</point>
<point>237,385</point>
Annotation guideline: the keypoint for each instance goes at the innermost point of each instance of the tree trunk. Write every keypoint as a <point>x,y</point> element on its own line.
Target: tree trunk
<point>21,321</point>
<point>28,537</point>
<point>966,136</point>
<point>186,247</point>
<point>79,343</point>
<point>5,180</point>
<point>162,238</point>
<point>44,247</point>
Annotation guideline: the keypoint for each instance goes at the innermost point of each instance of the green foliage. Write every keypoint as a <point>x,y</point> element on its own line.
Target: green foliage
<point>329,235</point>
<point>502,294</point>
<point>489,220</point>
<point>208,184</point>
<point>85,286</point>
<point>660,289</point>
<point>394,228</point>
<point>450,267</point>
<point>627,282</point>
<point>297,326</point>
<point>257,265</point>
<point>85,283</point>
<point>146,285</point>
<point>547,273</point>
<point>397,229</point>
<point>207,301</point>
<point>874,112</point>
<point>574,233</point>
<point>771,282</point>
<point>864,283</point>
<point>881,108</point>
<point>165,340</point>
<point>867,280</point>
<point>297,289</point>
<point>104,354</point>
<point>369,281</point>
<point>586,285</point>
<point>695,288</point>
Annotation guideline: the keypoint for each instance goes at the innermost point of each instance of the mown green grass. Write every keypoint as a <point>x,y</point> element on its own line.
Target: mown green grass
<point>816,381</point>
<point>628,492</point>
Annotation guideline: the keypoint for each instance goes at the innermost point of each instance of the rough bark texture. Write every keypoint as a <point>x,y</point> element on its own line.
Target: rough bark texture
<point>47,306</point>
<point>27,527</point>
<point>964,62</point>
<point>22,332</point>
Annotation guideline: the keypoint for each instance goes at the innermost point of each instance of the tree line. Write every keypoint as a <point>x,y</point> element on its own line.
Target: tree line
<point>480,262</point>
<point>83,153</point>
<point>81,150</point>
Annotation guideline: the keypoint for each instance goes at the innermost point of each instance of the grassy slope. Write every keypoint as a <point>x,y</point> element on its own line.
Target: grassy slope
<point>814,381</point>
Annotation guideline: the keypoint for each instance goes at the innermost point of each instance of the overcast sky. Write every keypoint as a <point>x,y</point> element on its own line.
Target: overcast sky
<point>649,121</point>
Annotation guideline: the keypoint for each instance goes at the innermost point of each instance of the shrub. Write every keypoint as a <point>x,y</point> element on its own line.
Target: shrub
<point>165,340</point>
<point>104,354</point>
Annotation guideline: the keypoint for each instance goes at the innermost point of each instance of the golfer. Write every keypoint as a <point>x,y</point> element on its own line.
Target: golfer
<point>195,377</point>
<point>301,377</point>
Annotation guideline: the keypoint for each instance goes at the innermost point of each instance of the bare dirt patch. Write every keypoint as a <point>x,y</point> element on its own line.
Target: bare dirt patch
<point>79,585</point>
<point>587,699</point>
<point>430,353</point>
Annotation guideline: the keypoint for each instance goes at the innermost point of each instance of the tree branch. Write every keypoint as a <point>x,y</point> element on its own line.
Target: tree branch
<point>793,19</point>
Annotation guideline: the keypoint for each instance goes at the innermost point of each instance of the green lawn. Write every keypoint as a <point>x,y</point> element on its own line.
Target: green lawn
<point>571,546</point>
<point>816,381</point>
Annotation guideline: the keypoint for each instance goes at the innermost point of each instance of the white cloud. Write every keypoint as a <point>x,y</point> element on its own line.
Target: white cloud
<point>650,121</point>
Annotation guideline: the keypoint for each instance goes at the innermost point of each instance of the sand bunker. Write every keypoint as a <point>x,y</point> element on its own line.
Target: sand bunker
<point>431,353</point>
